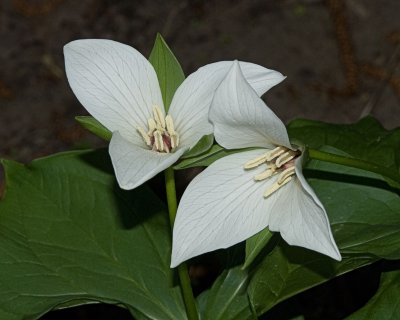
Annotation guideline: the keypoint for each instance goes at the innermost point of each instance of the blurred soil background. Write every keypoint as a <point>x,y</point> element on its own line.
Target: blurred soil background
<point>341,58</point>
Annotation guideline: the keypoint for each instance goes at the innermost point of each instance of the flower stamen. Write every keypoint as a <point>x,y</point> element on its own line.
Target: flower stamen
<point>161,135</point>
<point>172,133</point>
<point>152,126</point>
<point>158,141</point>
<point>286,174</point>
<point>264,175</point>
<point>285,158</point>
<point>276,152</point>
<point>256,162</point>
<point>279,160</point>
<point>159,117</point>
<point>276,186</point>
<point>145,136</point>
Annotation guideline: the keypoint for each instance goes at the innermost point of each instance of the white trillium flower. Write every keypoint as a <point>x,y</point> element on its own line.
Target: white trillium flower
<point>239,195</point>
<point>119,88</point>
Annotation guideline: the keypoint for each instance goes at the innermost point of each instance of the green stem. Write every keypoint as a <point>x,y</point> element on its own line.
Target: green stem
<point>183,274</point>
<point>391,176</point>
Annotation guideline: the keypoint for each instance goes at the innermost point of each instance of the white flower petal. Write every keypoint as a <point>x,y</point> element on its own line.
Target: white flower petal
<point>241,119</point>
<point>301,218</point>
<point>222,206</point>
<point>134,165</point>
<point>191,102</point>
<point>114,82</point>
<point>260,79</point>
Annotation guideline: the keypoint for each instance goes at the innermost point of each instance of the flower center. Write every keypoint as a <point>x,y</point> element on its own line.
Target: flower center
<point>279,161</point>
<point>161,135</point>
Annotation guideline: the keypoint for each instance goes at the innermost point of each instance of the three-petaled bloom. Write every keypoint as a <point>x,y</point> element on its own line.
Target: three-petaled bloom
<point>241,194</point>
<point>119,87</point>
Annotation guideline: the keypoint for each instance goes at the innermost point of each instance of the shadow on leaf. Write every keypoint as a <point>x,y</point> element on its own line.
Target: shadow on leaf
<point>347,178</point>
<point>134,206</point>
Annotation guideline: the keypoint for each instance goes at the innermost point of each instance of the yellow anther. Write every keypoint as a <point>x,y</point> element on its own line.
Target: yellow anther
<point>286,174</point>
<point>171,131</point>
<point>256,162</point>
<point>285,158</point>
<point>276,186</point>
<point>276,161</point>
<point>158,141</point>
<point>152,125</point>
<point>161,135</point>
<point>144,135</point>
<point>264,175</point>
<point>276,152</point>
<point>174,140</point>
<point>159,117</point>
<point>170,125</point>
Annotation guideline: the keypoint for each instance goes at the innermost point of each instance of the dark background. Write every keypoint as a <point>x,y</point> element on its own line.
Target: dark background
<point>341,59</point>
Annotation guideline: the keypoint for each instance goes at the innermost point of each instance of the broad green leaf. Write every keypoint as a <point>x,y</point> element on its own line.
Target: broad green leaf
<point>68,233</point>
<point>363,210</point>
<point>227,298</point>
<point>255,245</point>
<point>385,303</point>
<point>205,159</point>
<point>94,127</point>
<point>366,140</point>
<point>169,72</point>
<point>76,303</point>
<point>289,270</point>
<point>204,144</point>
<point>9,316</point>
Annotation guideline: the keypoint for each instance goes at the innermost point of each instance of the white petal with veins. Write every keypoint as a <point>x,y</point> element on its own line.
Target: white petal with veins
<point>302,219</point>
<point>241,119</point>
<point>222,206</point>
<point>135,165</point>
<point>114,82</point>
<point>191,102</point>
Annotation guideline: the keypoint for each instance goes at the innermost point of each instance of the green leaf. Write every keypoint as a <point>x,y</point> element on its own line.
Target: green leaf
<point>8,316</point>
<point>68,232</point>
<point>385,303</point>
<point>227,298</point>
<point>366,139</point>
<point>363,210</point>
<point>205,159</point>
<point>289,270</point>
<point>255,245</point>
<point>169,71</point>
<point>204,144</point>
<point>94,127</point>
<point>76,303</point>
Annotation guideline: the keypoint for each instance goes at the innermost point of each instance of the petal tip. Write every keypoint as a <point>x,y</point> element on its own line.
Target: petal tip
<point>73,43</point>
<point>173,264</point>
<point>337,256</point>
<point>175,259</point>
<point>331,251</point>
<point>126,186</point>
<point>68,47</point>
<point>235,68</point>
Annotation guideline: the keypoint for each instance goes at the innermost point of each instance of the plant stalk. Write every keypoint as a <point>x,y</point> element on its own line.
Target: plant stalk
<point>183,274</point>
<point>390,175</point>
